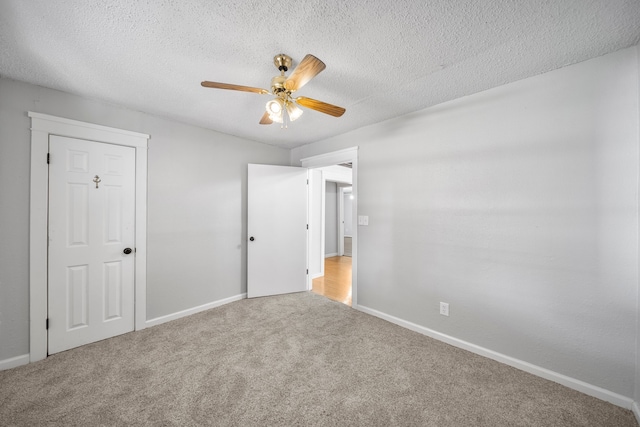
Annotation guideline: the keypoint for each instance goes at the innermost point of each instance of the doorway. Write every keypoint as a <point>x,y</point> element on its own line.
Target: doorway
<point>335,280</point>
<point>338,280</point>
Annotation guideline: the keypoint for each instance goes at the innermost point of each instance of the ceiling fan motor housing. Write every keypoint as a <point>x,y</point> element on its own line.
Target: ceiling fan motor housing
<point>277,84</point>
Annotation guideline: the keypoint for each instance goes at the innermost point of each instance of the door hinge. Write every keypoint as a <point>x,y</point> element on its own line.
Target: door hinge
<point>307,271</point>
<point>48,158</point>
<point>307,226</point>
<point>47,323</point>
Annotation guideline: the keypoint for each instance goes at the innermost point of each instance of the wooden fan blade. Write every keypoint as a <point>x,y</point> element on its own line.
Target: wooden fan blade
<point>217,85</point>
<point>323,107</point>
<point>309,67</point>
<point>265,120</point>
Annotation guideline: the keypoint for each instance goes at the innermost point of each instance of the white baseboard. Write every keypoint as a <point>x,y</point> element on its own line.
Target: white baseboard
<point>315,276</point>
<point>14,362</point>
<point>581,386</point>
<point>636,411</point>
<point>194,310</point>
<point>331,255</point>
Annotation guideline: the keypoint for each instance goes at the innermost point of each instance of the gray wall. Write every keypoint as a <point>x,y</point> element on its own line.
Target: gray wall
<point>196,205</point>
<point>331,218</point>
<point>519,207</point>
<point>637,376</point>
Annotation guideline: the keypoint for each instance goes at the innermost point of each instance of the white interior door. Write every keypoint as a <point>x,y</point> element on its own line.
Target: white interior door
<point>277,230</point>
<point>91,229</point>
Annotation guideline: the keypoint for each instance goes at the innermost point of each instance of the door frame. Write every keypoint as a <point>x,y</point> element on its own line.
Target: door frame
<point>340,203</point>
<point>348,155</point>
<point>341,194</point>
<point>43,125</point>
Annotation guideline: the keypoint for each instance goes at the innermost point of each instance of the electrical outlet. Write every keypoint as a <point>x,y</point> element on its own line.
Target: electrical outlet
<point>444,308</point>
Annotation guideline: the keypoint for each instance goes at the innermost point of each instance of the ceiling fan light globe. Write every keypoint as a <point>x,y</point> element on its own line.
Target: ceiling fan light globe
<point>294,111</point>
<point>275,106</point>
<point>276,117</point>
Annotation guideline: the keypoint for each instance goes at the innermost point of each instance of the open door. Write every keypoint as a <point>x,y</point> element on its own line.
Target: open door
<point>277,230</point>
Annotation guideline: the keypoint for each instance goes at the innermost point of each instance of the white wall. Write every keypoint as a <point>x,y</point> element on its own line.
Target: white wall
<point>331,219</point>
<point>196,205</point>
<point>519,207</point>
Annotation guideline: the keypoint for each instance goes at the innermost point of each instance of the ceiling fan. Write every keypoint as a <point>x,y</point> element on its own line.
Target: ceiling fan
<point>283,107</point>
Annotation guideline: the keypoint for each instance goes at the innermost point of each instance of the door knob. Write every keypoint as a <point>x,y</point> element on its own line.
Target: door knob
<point>127,251</point>
<point>251,238</point>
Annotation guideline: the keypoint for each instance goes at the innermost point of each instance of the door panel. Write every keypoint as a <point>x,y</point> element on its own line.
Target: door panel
<point>78,215</point>
<point>113,210</point>
<point>277,230</point>
<point>91,221</point>
<point>112,290</point>
<point>77,302</point>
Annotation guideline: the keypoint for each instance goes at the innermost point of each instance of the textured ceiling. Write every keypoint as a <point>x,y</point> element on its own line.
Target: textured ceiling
<point>384,59</point>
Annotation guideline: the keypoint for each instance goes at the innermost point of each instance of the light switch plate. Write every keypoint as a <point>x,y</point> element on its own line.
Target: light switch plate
<point>363,220</point>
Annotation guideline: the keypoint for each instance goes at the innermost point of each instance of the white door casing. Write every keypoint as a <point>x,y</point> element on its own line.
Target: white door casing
<point>42,126</point>
<point>277,232</point>
<point>340,203</point>
<point>91,226</point>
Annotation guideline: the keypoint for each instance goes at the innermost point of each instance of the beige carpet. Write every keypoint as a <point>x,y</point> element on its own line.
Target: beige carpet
<point>293,360</point>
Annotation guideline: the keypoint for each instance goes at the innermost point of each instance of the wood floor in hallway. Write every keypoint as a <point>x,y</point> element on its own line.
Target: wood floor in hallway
<point>336,282</point>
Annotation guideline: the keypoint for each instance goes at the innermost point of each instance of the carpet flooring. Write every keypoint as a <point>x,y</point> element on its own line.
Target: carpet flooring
<point>291,360</point>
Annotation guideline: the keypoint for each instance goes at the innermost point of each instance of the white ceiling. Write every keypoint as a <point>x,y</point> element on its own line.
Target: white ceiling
<point>383,58</point>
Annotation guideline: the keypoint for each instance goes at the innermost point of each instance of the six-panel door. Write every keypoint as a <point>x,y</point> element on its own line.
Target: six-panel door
<point>91,223</point>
